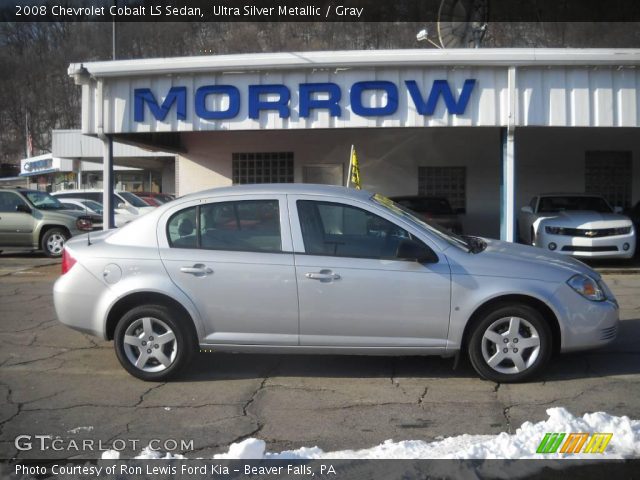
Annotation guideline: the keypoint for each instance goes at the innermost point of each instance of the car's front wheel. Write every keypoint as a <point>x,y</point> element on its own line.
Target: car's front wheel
<point>152,343</point>
<point>510,343</point>
<point>53,242</point>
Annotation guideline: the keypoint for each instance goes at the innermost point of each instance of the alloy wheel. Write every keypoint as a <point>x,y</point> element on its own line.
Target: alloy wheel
<point>150,344</point>
<point>510,345</point>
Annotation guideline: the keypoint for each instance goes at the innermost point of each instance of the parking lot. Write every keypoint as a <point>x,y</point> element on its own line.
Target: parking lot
<point>63,384</point>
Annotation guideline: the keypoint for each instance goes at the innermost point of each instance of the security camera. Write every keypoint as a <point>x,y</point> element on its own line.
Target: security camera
<point>422,35</point>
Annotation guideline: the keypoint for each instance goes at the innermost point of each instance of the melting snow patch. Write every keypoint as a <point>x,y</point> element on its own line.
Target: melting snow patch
<point>80,429</point>
<point>625,443</point>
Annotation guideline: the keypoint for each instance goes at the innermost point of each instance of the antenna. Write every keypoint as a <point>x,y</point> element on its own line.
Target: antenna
<point>86,212</point>
<point>462,23</point>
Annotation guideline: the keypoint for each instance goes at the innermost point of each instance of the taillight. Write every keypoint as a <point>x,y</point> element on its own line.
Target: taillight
<point>67,261</point>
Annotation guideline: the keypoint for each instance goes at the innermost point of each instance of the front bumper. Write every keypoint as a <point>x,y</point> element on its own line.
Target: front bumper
<point>618,246</point>
<point>586,324</point>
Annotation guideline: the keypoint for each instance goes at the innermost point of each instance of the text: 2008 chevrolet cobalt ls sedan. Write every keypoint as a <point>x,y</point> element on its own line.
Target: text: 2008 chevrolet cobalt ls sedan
<point>321,269</point>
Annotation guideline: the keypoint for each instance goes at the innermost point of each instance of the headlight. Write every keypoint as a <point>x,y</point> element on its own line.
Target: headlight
<point>587,287</point>
<point>554,230</point>
<point>84,224</point>
<point>622,230</point>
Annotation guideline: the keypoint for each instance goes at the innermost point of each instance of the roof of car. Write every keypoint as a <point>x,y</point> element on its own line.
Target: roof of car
<point>415,197</point>
<point>84,190</point>
<point>568,194</point>
<point>284,188</point>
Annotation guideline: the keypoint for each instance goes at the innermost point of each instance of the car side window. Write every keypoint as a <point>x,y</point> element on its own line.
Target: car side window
<point>181,229</point>
<point>9,201</point>
<point>72,206</point>
<point>340,230</point>
<point>248,225</point>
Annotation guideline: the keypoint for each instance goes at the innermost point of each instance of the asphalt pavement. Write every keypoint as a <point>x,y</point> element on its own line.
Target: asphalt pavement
<point>59,388</point>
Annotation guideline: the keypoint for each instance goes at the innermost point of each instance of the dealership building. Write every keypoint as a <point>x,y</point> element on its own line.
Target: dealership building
<point>486,128</point>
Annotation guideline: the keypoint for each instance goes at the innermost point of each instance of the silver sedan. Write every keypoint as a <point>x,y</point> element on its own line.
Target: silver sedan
<point>324,270</point>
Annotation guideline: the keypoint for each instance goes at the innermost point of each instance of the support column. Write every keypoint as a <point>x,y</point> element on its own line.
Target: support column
<point>508,200</point>
<point>79,175</point>
<point>108,218</point>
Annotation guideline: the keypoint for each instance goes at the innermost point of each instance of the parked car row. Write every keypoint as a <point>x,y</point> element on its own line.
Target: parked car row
<point>41,221</point>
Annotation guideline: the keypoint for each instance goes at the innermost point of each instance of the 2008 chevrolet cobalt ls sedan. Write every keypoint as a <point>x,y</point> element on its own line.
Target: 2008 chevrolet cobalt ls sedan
<point>322,269</point>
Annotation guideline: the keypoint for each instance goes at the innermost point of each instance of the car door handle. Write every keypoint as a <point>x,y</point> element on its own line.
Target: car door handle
<point>199,270</point>
<point>325,275</point>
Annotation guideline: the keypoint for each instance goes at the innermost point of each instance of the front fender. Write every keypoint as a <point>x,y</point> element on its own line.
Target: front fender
<point>469,293</point>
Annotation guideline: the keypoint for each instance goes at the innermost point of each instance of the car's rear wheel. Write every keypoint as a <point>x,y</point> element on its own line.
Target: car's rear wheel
<point>511,343</point>
<point>53,242</point>
<point>152,343</point>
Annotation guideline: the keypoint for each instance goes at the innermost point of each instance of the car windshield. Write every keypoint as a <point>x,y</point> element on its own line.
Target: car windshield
<point>434,228</point>
<point>133,199</point>
<point>93,205</point>
<point>432,205</point>
<point>44,201</point>
<point>560,204</point>
<point>163,198</point>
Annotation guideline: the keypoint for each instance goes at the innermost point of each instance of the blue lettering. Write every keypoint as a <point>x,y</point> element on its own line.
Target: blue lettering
<point>201,102</point>
<point>440,88</point>
<point>176,95</point>
<point>308,103</point>
<point>256,104</point>
<point>308,100</point>
<point>356,98</point>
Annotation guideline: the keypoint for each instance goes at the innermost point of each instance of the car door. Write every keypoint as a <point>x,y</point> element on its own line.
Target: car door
<point>233,257</point>
<point>16,227</point>
<point>353,290</point>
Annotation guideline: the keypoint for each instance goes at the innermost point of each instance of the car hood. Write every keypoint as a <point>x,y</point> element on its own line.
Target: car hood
<point>506,259</point>
<point>587,219</point>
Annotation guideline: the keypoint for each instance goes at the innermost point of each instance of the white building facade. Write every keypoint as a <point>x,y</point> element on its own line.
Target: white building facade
<point>486,128</point>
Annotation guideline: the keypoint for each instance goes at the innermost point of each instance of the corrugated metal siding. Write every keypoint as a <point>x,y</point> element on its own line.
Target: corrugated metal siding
<point>546,96</point>
<point>578,97</point>
<point>73,144</point>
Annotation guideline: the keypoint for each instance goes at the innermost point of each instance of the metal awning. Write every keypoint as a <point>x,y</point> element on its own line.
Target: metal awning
<point>41,172</point>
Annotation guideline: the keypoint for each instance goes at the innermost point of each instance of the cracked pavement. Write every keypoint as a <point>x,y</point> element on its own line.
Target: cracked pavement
<point>54,380</point>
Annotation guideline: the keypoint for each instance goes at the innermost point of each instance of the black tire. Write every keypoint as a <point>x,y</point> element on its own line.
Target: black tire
<point>532,328</point>
<point>53,242</point>
<point>178,353</point>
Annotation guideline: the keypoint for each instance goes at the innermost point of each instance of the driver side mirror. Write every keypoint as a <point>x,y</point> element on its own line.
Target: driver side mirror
<point>415,251</point>
<point>526,209</point>
<point>22,208</point>
<point>121,205</point>
<point>618,210</point>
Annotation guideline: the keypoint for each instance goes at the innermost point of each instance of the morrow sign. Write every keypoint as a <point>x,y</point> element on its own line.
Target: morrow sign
<point>312,96</point>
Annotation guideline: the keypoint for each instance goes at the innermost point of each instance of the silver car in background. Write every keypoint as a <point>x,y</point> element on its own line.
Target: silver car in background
<point>323,269</point>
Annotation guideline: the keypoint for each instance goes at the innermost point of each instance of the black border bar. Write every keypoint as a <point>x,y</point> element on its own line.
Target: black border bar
<point>314,10</point>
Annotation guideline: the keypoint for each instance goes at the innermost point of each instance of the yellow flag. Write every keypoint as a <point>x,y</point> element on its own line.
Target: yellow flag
<point>355,170</point>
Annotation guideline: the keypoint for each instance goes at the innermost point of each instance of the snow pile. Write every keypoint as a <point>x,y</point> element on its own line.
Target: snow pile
<point>625,443</point>
<point>80,429</point>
